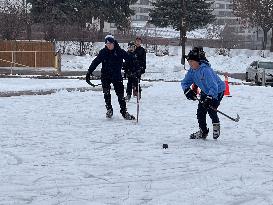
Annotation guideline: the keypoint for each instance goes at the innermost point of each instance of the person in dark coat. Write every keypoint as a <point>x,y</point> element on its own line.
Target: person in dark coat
<point>111,57</point>
<point>132,71</point>
<point>140,54</point>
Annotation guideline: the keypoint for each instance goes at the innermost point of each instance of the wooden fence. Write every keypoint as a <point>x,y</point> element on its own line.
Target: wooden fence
<point>27,54</point>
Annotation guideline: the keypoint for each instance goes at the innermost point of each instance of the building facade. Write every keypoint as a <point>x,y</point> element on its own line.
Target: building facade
<point>222,9</point>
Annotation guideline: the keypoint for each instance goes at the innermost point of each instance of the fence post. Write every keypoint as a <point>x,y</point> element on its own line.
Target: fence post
<point>35,57</point>
<point>58,60</point>
<point>263,77</point>
<point>11,65</point>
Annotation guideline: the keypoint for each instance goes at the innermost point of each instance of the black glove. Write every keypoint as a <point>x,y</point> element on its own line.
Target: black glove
<point>88,77</point>
<point>190,94</point>
<point>207,102</point>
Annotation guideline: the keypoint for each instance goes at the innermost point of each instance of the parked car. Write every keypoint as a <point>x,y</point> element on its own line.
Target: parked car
<point>254,72</point>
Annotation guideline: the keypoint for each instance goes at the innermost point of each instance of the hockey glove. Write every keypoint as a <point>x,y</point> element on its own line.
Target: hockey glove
<point>207,102</point>
<point>88,77</point>
<point>190,94</point>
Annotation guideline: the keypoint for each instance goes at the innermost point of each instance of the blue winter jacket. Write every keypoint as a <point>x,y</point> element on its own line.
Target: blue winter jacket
<point>111,62</point>
<point>206,79</point>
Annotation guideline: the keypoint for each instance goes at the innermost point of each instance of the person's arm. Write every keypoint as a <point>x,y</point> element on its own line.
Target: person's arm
<point>92,67</point>
<point>211,81</point>
<point>144,59</point>
<point>95,62</point>
<point>187,81</point>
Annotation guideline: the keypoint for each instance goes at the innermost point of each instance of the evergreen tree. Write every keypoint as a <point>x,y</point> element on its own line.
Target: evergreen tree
<point>50,13</point>
<point>198,13</point>
<point>114,11</point>
<point>182,15</point>
<point>12,20</point>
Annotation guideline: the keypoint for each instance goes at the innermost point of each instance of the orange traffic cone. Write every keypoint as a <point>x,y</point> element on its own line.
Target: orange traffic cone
<point>227,93</point>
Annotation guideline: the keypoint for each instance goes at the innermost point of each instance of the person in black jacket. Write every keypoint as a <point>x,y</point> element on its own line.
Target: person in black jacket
<point>140,54</point>
<point>111,57</point>
<point>132,71</point>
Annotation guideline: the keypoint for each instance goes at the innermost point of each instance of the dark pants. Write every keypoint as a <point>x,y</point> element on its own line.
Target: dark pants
<point>132,83</point>
<point>119,89</point>
<point>202,111</point>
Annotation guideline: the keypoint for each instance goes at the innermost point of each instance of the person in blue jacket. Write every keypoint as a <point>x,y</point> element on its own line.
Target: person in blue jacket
<point>212,91</point>
<point>111,57</point>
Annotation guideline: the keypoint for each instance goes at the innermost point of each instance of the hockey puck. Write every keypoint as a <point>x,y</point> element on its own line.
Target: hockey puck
<point>165,146</point>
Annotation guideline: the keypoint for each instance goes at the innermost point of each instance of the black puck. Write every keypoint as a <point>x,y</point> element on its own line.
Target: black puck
<point>165,146</point>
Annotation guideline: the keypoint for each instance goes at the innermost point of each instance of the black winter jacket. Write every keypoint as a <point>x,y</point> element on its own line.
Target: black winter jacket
<point>141,57</point>
<point>111,62</point>
<point>131,67</point>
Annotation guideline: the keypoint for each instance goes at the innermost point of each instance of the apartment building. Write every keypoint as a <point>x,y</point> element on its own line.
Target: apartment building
<point>223,10</point>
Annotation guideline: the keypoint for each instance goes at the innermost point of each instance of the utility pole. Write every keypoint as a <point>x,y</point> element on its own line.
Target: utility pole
<point>183,31</point>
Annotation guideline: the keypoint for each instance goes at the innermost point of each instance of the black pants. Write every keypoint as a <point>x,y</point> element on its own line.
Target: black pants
<point>119,89</point>
<point>132,83</point>
<point>202,111</point>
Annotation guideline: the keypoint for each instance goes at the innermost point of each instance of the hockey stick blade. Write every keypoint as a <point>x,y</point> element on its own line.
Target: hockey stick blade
<point>231,118</point>
<point>216,110</point>
<point>93,85</point>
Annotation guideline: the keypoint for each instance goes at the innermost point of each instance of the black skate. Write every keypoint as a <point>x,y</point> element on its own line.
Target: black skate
<point>199,135</point>
<point>127,116</point>
<point>216,130</point>
<point>109,113</point>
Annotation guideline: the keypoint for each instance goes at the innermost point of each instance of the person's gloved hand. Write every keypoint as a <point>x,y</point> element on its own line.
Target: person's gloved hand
<point>88,77</point>
<point>207,101</point>
<point>190,94</point>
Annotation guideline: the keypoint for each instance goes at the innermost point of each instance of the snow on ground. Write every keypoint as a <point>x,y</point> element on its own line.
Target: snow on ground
<point>60,149</point>
<point>22,84</point>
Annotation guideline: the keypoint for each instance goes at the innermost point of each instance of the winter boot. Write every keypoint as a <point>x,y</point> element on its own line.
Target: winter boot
<point>216,130</point>
<point>127,116</point>
<point>199,134</point>
<point>127,98</point>
<point>109,113</point>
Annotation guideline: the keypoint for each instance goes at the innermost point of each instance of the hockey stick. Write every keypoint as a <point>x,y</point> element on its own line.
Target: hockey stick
<point>231,118</point>
<point>138,82</point>
<point>93,85</point>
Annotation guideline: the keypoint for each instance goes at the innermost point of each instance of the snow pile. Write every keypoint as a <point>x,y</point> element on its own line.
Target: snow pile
<point>169,67</point>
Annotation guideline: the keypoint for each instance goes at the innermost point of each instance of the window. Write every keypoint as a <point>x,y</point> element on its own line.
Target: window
<point>219,6</point>
<point>144,2</point>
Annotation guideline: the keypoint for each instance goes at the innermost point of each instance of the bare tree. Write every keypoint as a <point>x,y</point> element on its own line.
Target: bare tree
<point>12,19</point>
<point>257,13</point>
